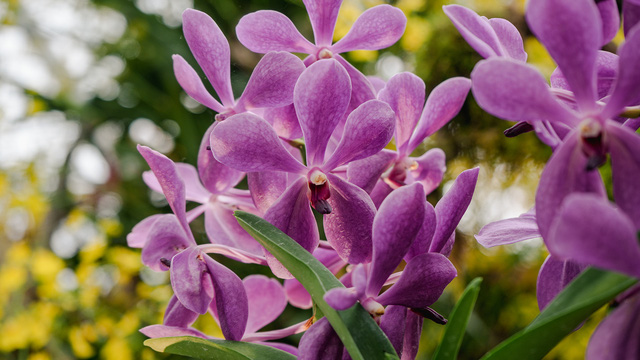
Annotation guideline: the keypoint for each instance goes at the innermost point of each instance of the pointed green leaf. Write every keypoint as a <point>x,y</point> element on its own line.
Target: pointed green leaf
<point>216,349</point>
<point>359,333</point>
<point>457,324</point>
<point>587,293</point>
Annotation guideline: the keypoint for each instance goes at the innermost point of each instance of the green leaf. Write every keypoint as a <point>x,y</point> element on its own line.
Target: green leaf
<point>216,349</point>
<point>457,324</point>
<point>586,294</point>
<point>359,333</point>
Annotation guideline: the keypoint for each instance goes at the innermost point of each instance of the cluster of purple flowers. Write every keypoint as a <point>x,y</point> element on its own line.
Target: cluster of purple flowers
<point>588,113</point>
<point>308,135</point>
<point>311,135</point>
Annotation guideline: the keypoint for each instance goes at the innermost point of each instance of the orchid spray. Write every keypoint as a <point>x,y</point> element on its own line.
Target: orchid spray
<point>312,139</point>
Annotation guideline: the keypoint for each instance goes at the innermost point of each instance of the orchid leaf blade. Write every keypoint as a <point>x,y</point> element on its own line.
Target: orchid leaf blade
<point>359,333</point>
<point>587,293</point>
<point>457,324</point>
<point>216,349</point>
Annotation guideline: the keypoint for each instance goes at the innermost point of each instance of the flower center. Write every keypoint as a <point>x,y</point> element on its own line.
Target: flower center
<point>325,54</point>
<point>319,191</point>
<point>592,144</point>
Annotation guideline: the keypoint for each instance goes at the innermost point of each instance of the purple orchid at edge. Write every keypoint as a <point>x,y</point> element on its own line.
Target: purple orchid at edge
<point>321,96</point>
<point>517,92</point>
<point>270,85</point>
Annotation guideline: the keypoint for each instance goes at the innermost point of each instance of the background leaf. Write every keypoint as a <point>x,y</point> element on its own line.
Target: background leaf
<point>586,294</point>
<point>216,349</point>
<point>457,324</point>
<point>359,333</point>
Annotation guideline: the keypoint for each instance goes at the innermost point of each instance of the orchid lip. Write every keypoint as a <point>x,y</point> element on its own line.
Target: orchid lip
<point>319,191</point>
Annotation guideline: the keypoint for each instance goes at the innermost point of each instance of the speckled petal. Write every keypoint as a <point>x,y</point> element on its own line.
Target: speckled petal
<point>377,28</point>
<point>211,49</point>
<point>266,30</point>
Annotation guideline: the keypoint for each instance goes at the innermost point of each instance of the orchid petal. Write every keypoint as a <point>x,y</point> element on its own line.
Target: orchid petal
<point>194,191</point>
<point>509,231</point>
<point>517,92</point>
<point>366,172</point>
<point>138,235</point>
<point>572,33</point>
<point>266,187</point>
<point>341,298</point>
<point>617,336</point>
<point>630,14</point>
<point>297,295</point>
<point>380,191</point>
<point>430,170</point>
<point>320,342</point>
<point>405,93</point>
<point>178,315</point>
<point>272,81</point>
<point>171,183</point>
<point>323,15</point>
<point>230,299</point>
<point>191,281</point>
<point>159,331</point>
<point>223,228</point>
<point>422,282</point>
<point>321,97</point>
<point>475,29</point>
<point>284,121</point>
<point>610,16</point>
<point>510,39</point>
<point>376,82</point>
<point>215,176</point>
<point>424,237</point>
<point>266,30</point>
<point>413,329</point>
<point>377,28</point>
<point>348,227</point>
<point>606,69</point>
<point>292,214</point>
<point>248,143</point>
<point>555,275</point>
<point>266,301</point>
<point>626,91</point>
<point>361,88</point>
<point>564,174</point>
<point>368,130</point>
<point>444,102</point>
<point>211,49</point>
<point>165,239</point>
<point>392,323</point>
<point>452,206</point>
<point>395,227</point>
<point>192,84</point>
<point>588,229</point>
<point>624,146</point>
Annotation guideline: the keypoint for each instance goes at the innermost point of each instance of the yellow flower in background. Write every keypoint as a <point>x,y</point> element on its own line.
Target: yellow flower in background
<point>417,33</point>
<point>79,344</point>
<point>116,348</point>
<point>12,278</point>
<point>45,266</point>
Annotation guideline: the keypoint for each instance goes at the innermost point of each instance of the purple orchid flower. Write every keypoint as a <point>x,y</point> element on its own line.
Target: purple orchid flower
<point>267,301</point>
<point>170,245</point>
<point>512,90</point>
<point>415,121</point>
<point>377,28</point>
<point>398,222</point>
<point>248,143</point>
<point>489,37</point>
<point>270,86</point>
<point>618,335</point>
<point>219,200</point>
